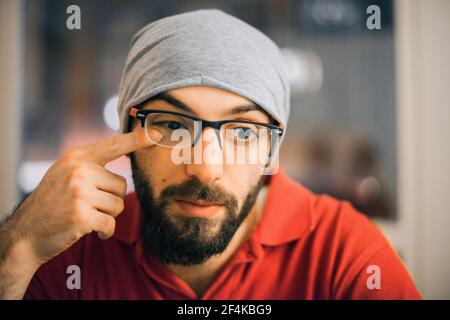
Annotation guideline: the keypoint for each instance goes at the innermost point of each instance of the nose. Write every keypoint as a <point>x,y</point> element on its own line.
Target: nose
<point>207,160</point>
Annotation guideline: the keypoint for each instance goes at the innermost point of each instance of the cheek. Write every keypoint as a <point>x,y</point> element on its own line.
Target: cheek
<point>241,179</point>
<point>155,163</point>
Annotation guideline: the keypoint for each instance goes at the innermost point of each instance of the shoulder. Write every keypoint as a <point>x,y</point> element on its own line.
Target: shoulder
<point>355,252</point>
<point>339,220</point>
<point>333,231</point>
<point>292,211</point>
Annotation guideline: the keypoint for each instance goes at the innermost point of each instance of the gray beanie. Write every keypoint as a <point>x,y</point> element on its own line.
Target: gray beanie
<point>204,48</point>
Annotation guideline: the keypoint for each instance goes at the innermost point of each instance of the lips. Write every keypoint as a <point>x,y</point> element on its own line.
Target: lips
<point>198,209</point>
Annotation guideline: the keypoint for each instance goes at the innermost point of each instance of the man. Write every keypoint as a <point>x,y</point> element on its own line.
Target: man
<point>197,88</point>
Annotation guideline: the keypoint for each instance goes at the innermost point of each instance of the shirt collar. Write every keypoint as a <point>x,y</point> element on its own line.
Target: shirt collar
<point>286,213</point>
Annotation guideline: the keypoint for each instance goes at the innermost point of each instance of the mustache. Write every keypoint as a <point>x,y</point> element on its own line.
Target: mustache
<point>194,189</point>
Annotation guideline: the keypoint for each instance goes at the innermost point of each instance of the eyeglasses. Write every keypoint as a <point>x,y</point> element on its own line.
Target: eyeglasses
<point>181,130</point>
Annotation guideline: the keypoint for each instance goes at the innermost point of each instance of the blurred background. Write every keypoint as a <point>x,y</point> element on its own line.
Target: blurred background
<point>370,108</point>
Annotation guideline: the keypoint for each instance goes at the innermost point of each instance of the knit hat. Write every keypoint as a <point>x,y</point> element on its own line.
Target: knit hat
<point>204,48</point>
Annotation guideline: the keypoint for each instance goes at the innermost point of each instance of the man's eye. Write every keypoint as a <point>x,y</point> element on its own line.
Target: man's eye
<point>244,133</point>
<point>172,125</point>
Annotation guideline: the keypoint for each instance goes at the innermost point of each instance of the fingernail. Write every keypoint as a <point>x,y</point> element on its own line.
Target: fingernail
<point>155,136</point>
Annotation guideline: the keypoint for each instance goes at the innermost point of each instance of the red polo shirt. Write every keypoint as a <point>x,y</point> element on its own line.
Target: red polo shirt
<point>306,246</point>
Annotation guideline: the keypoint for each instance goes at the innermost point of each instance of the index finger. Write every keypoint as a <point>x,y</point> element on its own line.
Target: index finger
<point>111,148</point>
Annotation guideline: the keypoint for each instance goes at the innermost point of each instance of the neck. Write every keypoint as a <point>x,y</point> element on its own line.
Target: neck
<point>199,277</point>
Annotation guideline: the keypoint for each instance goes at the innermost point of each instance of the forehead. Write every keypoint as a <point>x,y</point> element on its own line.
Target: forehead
<point>204,96</point>
<point>208,103</point>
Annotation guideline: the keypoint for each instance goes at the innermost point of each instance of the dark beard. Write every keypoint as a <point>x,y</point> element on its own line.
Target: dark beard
<point>186,240</point>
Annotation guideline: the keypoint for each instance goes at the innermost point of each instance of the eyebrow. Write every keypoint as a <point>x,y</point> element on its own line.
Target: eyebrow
<point>173,101</point>
<point>184,107</point>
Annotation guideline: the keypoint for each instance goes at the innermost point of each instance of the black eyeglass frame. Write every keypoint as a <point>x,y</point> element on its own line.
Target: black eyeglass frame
<point>142,115</point>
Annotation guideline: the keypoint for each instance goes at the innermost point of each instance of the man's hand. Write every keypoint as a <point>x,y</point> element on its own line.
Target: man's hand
<point>76,196</point>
